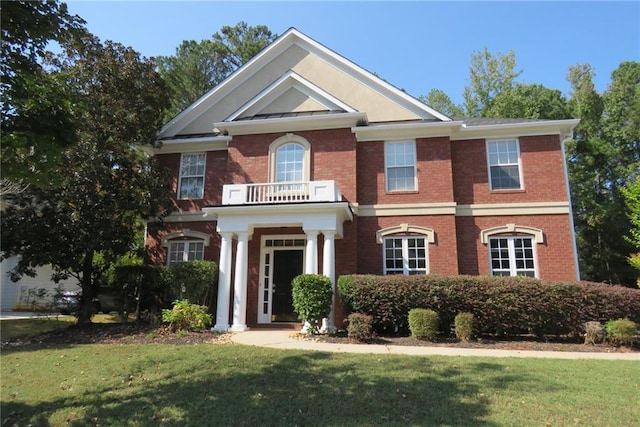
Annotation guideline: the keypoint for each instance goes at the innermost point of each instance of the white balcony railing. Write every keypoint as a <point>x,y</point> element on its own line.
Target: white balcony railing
<point>280,192</point>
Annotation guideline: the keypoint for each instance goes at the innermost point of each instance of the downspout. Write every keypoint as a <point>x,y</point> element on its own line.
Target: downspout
<point>566,138</point>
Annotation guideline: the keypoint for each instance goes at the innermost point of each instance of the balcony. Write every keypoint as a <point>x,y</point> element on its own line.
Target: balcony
<point>280,193</point>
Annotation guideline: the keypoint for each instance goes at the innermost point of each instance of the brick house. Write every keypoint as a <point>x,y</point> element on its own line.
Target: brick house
<point>301,161</point>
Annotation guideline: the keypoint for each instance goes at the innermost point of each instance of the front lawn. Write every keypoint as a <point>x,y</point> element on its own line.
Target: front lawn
<point>230,384</point>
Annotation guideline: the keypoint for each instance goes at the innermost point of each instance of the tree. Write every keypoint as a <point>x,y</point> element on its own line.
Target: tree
<point>36,110</point>
<point>632,199</point>
<point>107,184</point>
<point>198,67</point>
<point>603,158</point>
<point>489,75</point>
<point>530,101</point>
<point>441,102</point>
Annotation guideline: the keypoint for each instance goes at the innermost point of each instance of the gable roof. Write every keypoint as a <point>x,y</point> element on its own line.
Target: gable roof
<point>295,76</point>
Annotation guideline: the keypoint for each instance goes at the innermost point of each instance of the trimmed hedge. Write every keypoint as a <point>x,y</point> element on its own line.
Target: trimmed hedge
<point>500,305</point>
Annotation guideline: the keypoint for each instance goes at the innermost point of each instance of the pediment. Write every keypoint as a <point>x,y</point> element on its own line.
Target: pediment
<point>292,76</point>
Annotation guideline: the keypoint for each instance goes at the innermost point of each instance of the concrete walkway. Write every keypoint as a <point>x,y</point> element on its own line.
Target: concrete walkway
<point>286,340</point>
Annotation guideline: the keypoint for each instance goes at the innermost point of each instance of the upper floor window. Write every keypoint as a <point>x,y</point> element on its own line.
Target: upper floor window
<point>290,163</point>
<point>400,166</point>
<point>191,185</point>
<point>185,250</point>
<point>512,256</point>
<point>289,159</point>
<point>503,158</point>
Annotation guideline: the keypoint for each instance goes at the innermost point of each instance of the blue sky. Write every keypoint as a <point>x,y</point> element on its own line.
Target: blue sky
<point>416,46</point>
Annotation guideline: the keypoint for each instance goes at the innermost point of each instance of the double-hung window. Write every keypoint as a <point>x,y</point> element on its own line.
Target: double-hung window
<point>405,255</point>
<point>400,165</point>
<point>186,250</point>
<point>512,256</point>
<point>192,169</point>
<point>503,158</point>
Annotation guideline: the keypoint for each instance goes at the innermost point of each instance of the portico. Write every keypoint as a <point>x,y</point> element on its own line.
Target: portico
<point>237,221</point>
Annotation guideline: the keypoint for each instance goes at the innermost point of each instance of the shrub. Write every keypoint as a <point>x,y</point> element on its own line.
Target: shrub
<point>593,333</point>
<point>621,331</point>
<point>360,327</point>
<point>423,323</point>
<point>464,326</point>
<point>185,316</point>
<point>312,297</point>
<point>196,281</point>
<point>501,305</point>
<point>148,283</point>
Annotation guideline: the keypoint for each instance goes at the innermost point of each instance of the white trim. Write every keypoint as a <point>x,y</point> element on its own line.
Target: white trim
<point>403,209</point>
<point>287,81</point>
<point>512,254</point>
<point>192,145</point>
<point>515,130</point>
<point>405,228</point>
<point>488,162</point>
<point>291,124</point>
<point>185,233</point>
<point>185,251</point>
<point>405,254</point>
<point>290,138</point>
<point>404,130</point>
<point>513,209</point>
<point>512,228</point>
<point>415,166</point>
<point>203,176</point>
<point>574,243</point>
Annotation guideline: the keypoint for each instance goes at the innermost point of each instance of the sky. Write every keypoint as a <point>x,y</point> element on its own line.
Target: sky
<point>416,46</point>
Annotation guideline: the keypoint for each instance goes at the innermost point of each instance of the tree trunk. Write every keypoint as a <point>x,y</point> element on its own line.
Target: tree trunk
<point>85,310</point>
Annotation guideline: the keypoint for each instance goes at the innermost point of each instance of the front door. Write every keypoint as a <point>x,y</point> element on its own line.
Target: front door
<point>282,259</point>
<point>287,264</point>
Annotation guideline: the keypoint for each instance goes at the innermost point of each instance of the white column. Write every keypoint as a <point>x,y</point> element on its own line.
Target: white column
<point>224,283</point>
<point>311,256</point>
<point>329,270</point>
<point>240,284</point>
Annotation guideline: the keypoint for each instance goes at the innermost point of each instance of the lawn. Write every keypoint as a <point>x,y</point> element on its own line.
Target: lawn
<point>12,328</point>
<point>230,384</point>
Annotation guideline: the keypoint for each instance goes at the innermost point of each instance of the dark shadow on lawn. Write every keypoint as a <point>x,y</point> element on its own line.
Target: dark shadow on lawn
<point>259,387</point>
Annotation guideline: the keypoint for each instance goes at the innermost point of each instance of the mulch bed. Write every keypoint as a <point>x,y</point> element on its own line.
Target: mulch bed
<point>118,334</point>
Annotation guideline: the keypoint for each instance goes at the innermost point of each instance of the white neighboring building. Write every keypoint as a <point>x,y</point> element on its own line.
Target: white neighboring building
<point>14,295</point>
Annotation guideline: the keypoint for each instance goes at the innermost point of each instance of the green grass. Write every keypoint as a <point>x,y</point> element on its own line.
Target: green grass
<point>11,328</point>
<point>196,385</point>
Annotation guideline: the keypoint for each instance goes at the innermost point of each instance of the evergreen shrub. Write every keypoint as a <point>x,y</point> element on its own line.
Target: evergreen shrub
<point>360,327</point>
<point>312,297</point>
<point>621,331</point>
<point>463,323</point>
<point>423,323</point>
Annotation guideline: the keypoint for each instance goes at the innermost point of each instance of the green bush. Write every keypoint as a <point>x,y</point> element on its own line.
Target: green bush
<point>621,331</point>
<point>148,283</point>
<point>312,297</point>
<point>196,281</point>
<point>185,316</point>
<point>501,305</point>
<point>423,323</point>
<point>360,327</point>
<point>463,323</point>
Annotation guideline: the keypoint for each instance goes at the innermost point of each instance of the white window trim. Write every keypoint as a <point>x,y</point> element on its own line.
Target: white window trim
<point>415,167</point>
<point>195,235</point>
<point>405,254</point>
<point>204,173</point>
<point>515,231</point>
<point>287,139</point>
<point>520,176</point>
<point>414,231</point>
<point>512,253</point>
<point>185,252</point>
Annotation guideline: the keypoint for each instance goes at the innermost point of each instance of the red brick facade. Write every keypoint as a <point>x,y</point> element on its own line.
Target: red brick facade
<point>452,173</point>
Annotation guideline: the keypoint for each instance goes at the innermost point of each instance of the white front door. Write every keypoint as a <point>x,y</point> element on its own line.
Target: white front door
<point>281,259</point>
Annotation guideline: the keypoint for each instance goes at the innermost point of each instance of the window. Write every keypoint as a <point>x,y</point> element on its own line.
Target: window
<point>400,165</point>
<point>290,163</point>
<point>186,250</point>
<point>512,256</point>
<point>405,255</point>
<point>504,164</point>
<point>192,176</point>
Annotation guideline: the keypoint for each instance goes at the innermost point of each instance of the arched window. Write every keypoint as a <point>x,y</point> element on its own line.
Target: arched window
<point>289,159</point>
<point>405,249</point>
<point>184,246</point>
<point>512,249</point>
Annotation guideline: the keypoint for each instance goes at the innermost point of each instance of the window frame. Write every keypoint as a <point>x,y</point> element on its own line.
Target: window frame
<point>387,167</point>
<point>199,176</point>
<point>186,250</point>
<point>512,257</point>
<point>273,156</point>
<point>511,164</point>
<point>405,252</point>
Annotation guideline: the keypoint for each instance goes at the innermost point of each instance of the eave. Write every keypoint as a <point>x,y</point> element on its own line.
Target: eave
<point>291,124</point>
<point>193,145</point>
<point>564,128</point>
<point>404,130</point>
